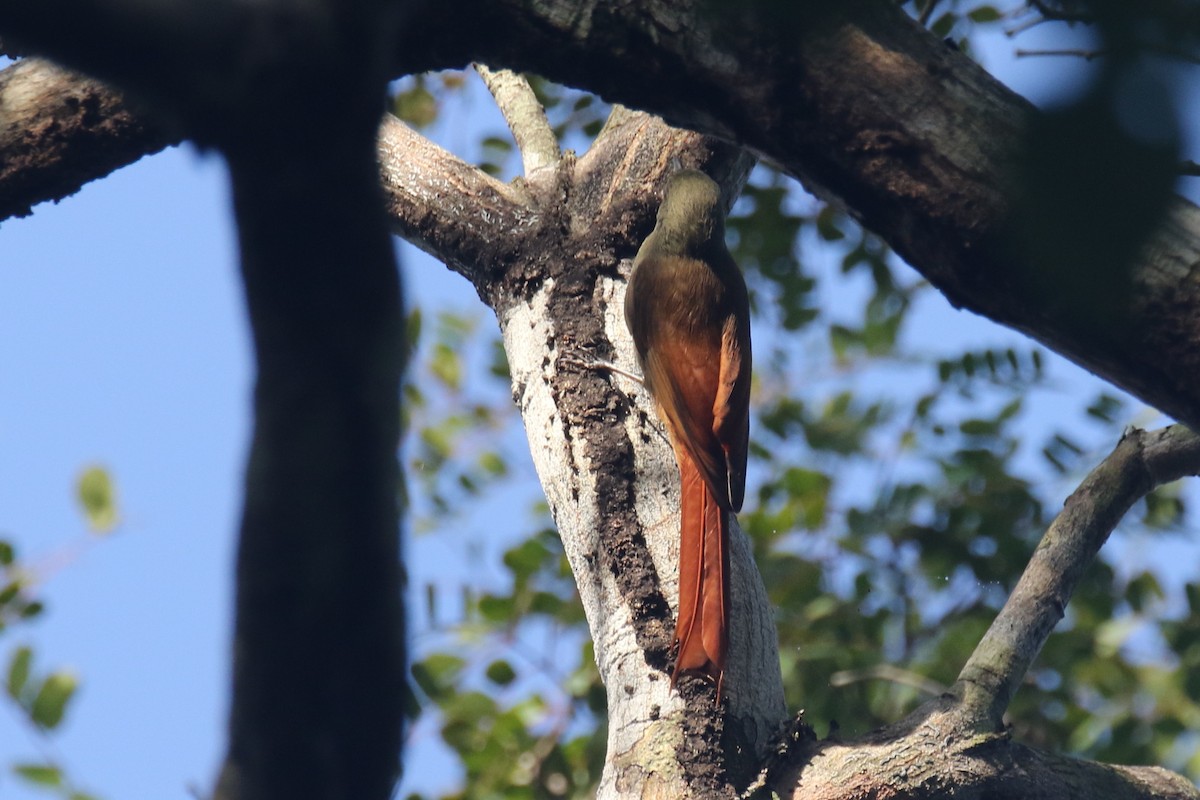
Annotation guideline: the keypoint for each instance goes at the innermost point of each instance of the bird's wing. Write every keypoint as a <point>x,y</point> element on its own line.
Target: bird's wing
<point>731,407</point>
<point>684,376</point>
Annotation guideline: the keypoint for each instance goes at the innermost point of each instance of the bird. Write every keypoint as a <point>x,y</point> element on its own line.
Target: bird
<point>688,312</point>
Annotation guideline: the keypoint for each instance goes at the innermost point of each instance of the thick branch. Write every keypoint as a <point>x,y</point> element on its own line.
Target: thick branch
<point>525,116</point>
<point>449,208</point>
<point>319,652</point>
<point>1140,462</point>
<point>59,130</point>
<point>868,108</point>
<point>930,755</point>
<point>864,107</point>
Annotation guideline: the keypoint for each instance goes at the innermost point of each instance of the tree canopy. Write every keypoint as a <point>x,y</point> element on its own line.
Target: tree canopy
<point>896,501</point>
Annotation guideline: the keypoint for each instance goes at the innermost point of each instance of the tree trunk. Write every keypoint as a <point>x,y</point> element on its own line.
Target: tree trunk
<point>867,109</point>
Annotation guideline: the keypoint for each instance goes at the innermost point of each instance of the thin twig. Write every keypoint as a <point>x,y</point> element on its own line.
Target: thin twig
<point>525,116</point>
<point>1140,462</point>
<point>1086,55</point>
<point>927,12</point>
<point>890,673</point>
<point>1020,27</point>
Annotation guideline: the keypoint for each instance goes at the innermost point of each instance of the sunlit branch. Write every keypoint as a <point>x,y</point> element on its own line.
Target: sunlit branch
<point>1141,461</point>
<point>525,116</point>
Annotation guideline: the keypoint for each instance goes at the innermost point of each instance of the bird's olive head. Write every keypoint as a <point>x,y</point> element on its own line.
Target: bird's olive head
<point>691,214</point>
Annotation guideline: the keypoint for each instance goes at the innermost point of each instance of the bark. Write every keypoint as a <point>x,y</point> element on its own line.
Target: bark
<point>1140,462</point>
<point>866,108</point>
<point>59,130</point>
<point>549,256</point>
<point>931,755</point>
<point>551,281</point>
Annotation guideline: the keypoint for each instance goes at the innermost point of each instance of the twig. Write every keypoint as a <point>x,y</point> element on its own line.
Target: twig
<point>890,673</point>
<point>525,116</point>
<point>927,12</point>
<point>1020,27</point>
<point>1140,462</point>
<point>1086,55</point>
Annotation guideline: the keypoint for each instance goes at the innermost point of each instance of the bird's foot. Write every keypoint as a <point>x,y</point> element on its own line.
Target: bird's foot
<point>585,360</point>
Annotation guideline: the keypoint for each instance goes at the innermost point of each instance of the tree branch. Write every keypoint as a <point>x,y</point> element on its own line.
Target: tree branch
<point>930,755</point>
<point>449,208</point>
<point>525,116</point>
<point>909,135</point>
<point>868,109</point>
<point>1140,462</point>
<point>60,130</point>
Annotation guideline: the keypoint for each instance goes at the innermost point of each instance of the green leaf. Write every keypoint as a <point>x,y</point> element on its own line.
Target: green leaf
<point>412,332</point>
<point>497,143</point>
<point>525,558</point>
<point>51,701</point>
<point>416,106</point>
<point>827,225</point>
<point>446,365</point>
<point>18,672</point>
<point>501,673</point>
<point>497,609</point>
<point>944,24</point>
<point>7,553</point>
<point>437,674</point>
<point>493,464</point>
<point>985,14</point>
<point>499,364</point>
<point>1105,408</point>
<point>40,774</point>
<point>98,497</point>
<point>10,592</point>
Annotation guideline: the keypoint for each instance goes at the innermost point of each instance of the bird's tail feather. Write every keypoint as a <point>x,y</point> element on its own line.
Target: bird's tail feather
<point>702,631</point>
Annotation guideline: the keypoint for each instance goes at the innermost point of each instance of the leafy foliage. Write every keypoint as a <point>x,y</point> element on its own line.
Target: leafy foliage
<point>896,493</point>
<point>40,699</point>
<point>98,498</point>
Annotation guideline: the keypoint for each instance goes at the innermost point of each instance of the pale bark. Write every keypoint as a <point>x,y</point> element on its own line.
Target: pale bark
<point>59,130</point>
<point>549,258</point>
<point>866,109</point>
<point>580,435</point>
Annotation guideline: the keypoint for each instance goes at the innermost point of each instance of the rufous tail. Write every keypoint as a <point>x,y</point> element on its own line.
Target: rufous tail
<point>702,631</point>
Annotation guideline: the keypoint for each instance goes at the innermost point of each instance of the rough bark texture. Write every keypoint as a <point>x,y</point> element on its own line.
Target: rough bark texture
<point>866,108</point>
<point>1140,462</point>
<point>932,755</point>
<point>552,283</point>
<point>59,130</point>
<point>862,106</point>
<point>548,255</point>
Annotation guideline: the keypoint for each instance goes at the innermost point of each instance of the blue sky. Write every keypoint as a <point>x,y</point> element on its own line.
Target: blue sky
<point>123,342</point>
